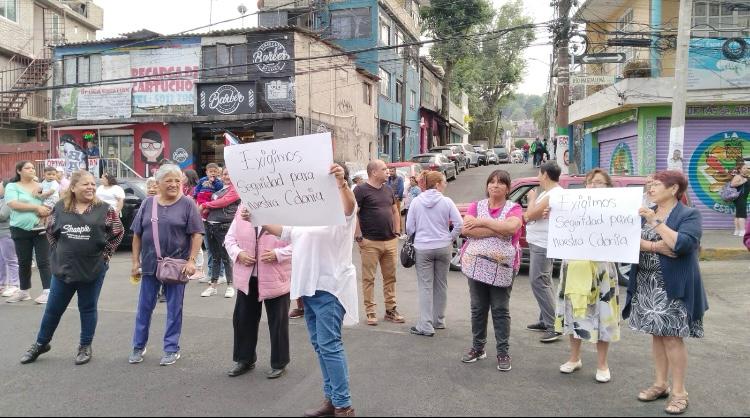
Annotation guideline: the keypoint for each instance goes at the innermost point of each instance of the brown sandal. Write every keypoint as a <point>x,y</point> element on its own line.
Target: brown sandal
<point>653,393</point>
<point>677,405</point>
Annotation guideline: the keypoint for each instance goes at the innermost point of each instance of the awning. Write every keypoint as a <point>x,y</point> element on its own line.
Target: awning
<point>90,127</point>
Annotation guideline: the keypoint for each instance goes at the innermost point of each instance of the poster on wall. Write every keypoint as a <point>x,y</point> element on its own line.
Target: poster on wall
<point>621,162</point>
<point>719,63</point>
<point>712,164</point>
<point>563,153</point>
<point>151,146</point>
<point>170,75</point>
<point>65,103</point>
<point>271,54</point>
<point>105,102</point>
<point>277,95</point>
<point>226,99</point>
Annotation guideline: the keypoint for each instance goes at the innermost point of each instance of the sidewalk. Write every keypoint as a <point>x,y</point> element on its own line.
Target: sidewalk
<point>721,245</point>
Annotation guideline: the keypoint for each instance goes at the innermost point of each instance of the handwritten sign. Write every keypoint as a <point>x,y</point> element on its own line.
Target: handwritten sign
<point>287,181</point>
<point>595,224</point>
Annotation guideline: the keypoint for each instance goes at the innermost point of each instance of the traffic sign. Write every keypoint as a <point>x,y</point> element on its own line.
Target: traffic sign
<point>592,80</point>
<point>603,58</point>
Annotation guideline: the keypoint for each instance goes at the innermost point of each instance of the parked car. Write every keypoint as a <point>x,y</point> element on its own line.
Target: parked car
<point>516,157</point>
<point>437,162</point>
<point>492,158</point>
<point>455,154</point>
<point>471,155</point>
<point>406,170</point>
<point>502,154</point>
<point>135,194</point>
<point>519,191</point>
<point>482,151</point>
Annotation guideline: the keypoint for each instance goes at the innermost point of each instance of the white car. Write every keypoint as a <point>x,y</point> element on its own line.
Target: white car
<point>516,157</point>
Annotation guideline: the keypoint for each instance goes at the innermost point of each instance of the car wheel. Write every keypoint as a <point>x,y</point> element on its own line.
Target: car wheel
<point>458,243</point>
<point>623,274</point>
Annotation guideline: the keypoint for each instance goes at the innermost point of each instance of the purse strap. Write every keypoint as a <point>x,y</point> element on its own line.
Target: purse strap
<point>155,225</point>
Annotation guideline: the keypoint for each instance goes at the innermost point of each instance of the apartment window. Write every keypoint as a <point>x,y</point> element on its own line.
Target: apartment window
<point>223,60</point>
<point>385,33</point>
<point>9,9</point>
<point>351,23</point>
<point>413,99</point>
<point>82,69</point>
<point>720,18</point>
<point>399,92</point>
<point>625,24</point>
<point>399,41</point>
<point>367,93</point>
<point>385,83</point>
<point>427,96</point>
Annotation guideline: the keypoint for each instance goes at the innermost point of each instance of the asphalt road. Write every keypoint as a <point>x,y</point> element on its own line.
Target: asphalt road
<point>392,372</point>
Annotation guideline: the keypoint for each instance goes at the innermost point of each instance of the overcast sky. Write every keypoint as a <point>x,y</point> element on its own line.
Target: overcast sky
<point>173,16</point>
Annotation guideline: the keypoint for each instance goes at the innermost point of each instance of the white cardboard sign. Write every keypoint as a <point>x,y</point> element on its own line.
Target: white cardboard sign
<point>287,181</point>
<point>596,225</point>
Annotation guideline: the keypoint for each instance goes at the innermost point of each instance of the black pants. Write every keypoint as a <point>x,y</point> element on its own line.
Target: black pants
<point>216,234</point>
<point>247,313</point>
<point>27,244</point>
<point>486,298</point>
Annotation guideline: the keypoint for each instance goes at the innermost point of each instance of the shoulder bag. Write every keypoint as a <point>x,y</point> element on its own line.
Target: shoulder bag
<point>168,270</point>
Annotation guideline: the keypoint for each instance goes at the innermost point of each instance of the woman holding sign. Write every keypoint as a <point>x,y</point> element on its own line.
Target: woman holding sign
<point>588,302</point>
<point>666,297</point>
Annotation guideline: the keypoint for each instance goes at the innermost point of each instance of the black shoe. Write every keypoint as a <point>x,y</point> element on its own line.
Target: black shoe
<point>415,331</point>
<point>34,352</point>
<point>240,368</point>
<point>275,373</point>
<point>84,355</point>
<point>538,327</point>
<point>550,337</point>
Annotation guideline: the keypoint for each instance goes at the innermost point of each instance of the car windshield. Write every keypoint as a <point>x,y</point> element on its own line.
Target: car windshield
<point>404,171</point>
<point>422,159</point>
<point>446,152</point>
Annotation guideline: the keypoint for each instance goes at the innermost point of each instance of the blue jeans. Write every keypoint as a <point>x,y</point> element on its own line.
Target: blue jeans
<point>325,316</point>
<point>147,302</point>
<point>209,260</point>
<point>60,295</point>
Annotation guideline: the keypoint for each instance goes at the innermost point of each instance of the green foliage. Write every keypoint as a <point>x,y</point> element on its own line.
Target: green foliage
<point>520,143</point>
<point>449,19</point>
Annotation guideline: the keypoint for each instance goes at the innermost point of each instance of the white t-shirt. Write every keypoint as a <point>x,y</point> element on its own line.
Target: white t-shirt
<point>537,232</point>
<point>322,260</point>
<point>110,194</point>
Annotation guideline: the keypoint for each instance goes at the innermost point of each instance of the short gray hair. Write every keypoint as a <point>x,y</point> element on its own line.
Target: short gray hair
<point>167,170</point>
<point>150,181</point>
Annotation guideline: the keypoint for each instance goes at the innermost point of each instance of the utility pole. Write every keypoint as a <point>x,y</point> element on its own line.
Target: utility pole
<point>405,71</point>
<point>563,78</point>
<point>679,100</point>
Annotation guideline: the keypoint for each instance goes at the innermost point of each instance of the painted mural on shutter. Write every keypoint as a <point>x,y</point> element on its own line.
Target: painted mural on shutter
<point>711,147</point>
<point>618,149</point>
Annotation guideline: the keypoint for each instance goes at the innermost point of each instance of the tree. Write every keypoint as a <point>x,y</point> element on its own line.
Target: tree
<point>446,19</point>
<point>520,143</point>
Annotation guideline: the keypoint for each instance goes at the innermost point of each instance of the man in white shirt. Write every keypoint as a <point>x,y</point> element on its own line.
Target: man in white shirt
<point>540,267</point>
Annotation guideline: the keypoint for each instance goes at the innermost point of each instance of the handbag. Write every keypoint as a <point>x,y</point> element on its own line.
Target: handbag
<point>168,270</point>
<point>490,260</point>
<point>729,193</point>
<point>409,253</point>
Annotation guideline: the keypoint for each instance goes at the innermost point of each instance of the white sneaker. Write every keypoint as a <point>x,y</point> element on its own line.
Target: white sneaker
<point>19,296</point>
<point>204,279</point>
<point>229,293</point>
<point>603,376</point>
<point>10,291</point>
<point>222,280</point>
<point>569,367</point>
<point>211,291</point>
<point>42,299</point>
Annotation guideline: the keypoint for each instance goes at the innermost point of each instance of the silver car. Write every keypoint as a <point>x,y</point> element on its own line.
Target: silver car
<point>471,155</point>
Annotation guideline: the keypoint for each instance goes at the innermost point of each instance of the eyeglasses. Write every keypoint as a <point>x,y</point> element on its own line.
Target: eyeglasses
<point>151,145</point>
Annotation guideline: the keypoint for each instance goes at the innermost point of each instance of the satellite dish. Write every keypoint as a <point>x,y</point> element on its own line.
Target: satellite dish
<point>242,9</point>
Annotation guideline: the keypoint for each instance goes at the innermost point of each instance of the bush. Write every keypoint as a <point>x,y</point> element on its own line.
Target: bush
<point>520,143</point>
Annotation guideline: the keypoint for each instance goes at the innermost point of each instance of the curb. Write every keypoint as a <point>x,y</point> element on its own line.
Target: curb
<point>724,254</point>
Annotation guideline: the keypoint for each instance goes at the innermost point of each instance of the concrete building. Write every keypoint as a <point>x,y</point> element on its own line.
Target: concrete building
<point>28,31</point>
<point>366,25</point>
<point>459,113</point>
<point>625,128</point>
<point>260,84</point>
<point>433,126</point>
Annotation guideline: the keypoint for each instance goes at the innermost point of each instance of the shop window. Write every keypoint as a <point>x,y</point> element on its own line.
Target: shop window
<point>351,23</point>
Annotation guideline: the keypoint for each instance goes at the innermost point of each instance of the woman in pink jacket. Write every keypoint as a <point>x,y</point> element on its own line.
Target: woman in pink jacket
<point>262,274</point>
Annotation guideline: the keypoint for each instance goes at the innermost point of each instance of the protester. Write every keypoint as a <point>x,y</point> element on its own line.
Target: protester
<point>180,235</point>
<point>540,267</point>
<point>84,234</point>
<point>22,195</point>
<point>9,282</point>
<point>666,297</point>
<point>92,150</point>
<point>396,183</point>
<point>357,181</point>
<point>409,195</point>
<point>740,182</point>
<point>432,217</point>
<point>262,272</point>
<point>646,188</point>
<point>152,187</point>
<point>325,278</point>
<point>111,193</point>
<point>203,193</point>
<point>50,188</point>
<point>588,305</point>
<point>62,179</point>
<point>221,212</point>
<point>377,235</point>
<point>189,182</point>
<point>493,228</point>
